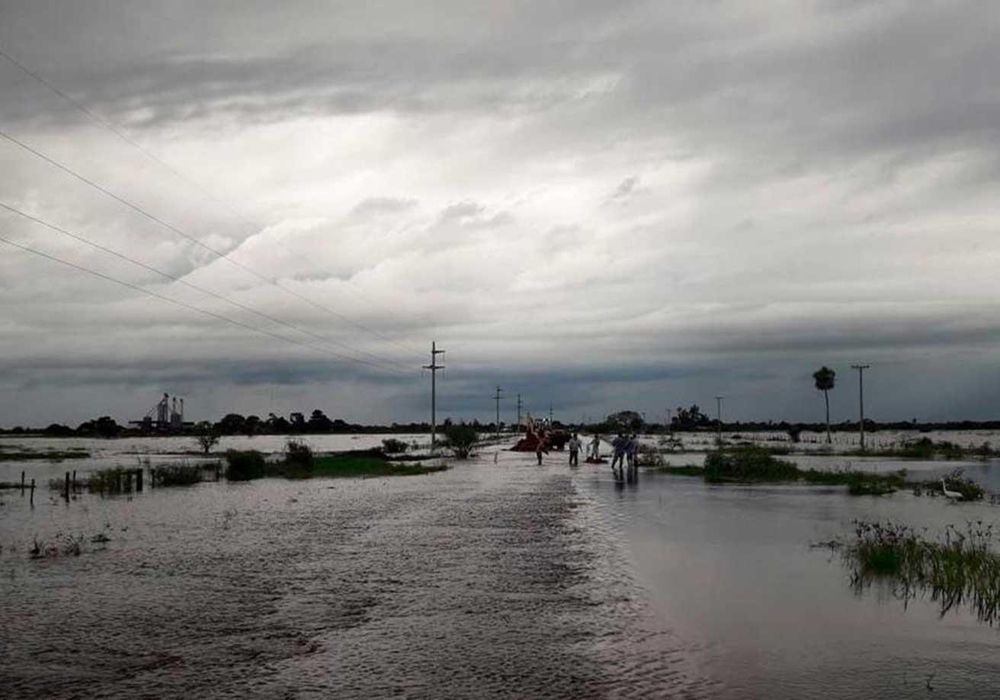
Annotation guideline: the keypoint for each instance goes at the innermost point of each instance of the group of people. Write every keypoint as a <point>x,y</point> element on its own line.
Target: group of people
<point>625,453</point>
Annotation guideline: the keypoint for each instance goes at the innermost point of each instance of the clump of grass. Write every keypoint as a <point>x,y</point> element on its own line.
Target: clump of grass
<point>367,463</point>
<point>393,446</point>
<point>869,484</point>
<point>649,456</point>
<point>111,480</point>
<point>243,465</point>
<point>747,463</point>
<point>970,490</point>
<point>682,470</point>
<point>298,455</point>
<point>176,475</point>
<point>959,567</point>
<point>47,455</point>
<point>460,439</point>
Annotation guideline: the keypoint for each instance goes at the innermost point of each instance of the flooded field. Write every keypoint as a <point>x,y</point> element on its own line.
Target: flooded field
<point>493,579</point>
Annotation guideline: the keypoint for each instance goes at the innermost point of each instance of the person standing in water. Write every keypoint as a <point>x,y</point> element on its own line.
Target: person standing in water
<point>620,446</point>
<point>574,451</point>
<point>540,447</point>
<point>595,448</point>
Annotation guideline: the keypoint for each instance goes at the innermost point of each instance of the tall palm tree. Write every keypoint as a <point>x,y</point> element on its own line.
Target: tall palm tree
<point>824,377</point>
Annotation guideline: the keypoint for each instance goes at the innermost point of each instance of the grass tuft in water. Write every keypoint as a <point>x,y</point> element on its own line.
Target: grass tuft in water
<point>176,475</point>
<point>747,463</point>
<point>959,568</point>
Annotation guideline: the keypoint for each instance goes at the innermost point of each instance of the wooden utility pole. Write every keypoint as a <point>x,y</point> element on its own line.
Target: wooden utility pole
<point>497,398</point>
<point>718,415</point>
<point>861,400</point>
<point>519,406</point>
<point>434,367</point>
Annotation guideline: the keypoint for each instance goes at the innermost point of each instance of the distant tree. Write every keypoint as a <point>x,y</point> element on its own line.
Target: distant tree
<point>824,378</point>
<point>690,418</point>
<point>319,423</point>
<point>277,424</point>
<point>298,422</point>
<point>207,436</point>
<point>252,425</point>
<point>232,424</point>
<point>56,430</point>
<point>627,421</point>
<point>105,427</point>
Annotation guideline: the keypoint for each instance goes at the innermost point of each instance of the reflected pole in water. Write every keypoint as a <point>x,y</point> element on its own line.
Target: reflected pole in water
<point>861,400</point>
<point>434,367</point>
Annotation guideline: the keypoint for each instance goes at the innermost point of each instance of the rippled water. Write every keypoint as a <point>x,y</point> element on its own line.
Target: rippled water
<point>489,580</point>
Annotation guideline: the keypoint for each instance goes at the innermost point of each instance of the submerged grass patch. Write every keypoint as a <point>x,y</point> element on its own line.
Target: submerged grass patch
<point>176,475</point>
<point>357,463</point>
<point>749,464</point>
<point>958,568</point>
<point>19,455</point>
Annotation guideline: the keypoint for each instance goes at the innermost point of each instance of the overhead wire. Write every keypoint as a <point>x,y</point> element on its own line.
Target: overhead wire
<point>186,305</point>
<point>182,281</point>
<point>104,123</point>
<point>167,225</point>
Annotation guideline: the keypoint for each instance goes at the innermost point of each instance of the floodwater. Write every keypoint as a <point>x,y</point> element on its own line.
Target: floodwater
<point>493,579</point>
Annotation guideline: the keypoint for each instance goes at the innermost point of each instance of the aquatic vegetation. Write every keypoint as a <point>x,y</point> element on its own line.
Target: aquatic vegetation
<point>60,545</point>
<point>176,474</point>
<point>960,567</point>
<point>112,480</point>
<point>368,463</point>
<point>44,455</point>
<point>298,455</point>
<point>243,465</point>
<point>394,446</point>
<point>681,470</point>
<point>649,456</point>
<point>969,489</point>
<point>871,484</point>
<point>747,463</point>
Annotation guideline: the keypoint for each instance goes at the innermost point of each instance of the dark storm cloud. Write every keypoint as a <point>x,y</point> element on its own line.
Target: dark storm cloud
<point>578,196</point>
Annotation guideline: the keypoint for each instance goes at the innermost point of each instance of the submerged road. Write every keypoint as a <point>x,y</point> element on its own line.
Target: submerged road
<point>486,581</point>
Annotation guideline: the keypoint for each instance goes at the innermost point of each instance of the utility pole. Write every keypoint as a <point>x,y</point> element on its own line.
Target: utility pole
<point>497,398</point>
<point>519,406</point>
<point>861,400</point>
<point>670,420</point>
<point>434,367</point>
<point>718,415</point>
<point>550,415</point>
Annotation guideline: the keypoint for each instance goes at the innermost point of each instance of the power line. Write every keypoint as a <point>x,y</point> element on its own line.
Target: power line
<point>184,282</point>
<point>183,304</point>
<point>204,191</point>
<point>179,232</point>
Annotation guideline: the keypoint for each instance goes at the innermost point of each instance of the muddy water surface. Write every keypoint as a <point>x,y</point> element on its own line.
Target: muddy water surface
<point>490,580</point>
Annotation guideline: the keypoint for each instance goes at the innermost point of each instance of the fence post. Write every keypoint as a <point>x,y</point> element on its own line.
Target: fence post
<point>32,493</point>
<point>66,491</point>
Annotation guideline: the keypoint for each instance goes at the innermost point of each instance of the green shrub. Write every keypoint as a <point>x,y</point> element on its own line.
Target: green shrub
<point>747,464</point>
<point>393,446</point>
<point>243,465</point>
<point>460,439</point>
<point>869,484</point>
<point>298,455</point>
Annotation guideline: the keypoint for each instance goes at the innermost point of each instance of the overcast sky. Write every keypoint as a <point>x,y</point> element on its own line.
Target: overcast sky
<point>600,205</point>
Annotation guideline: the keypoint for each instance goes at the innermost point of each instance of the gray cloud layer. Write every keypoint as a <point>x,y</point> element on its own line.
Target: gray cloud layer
<point>602,205</point>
